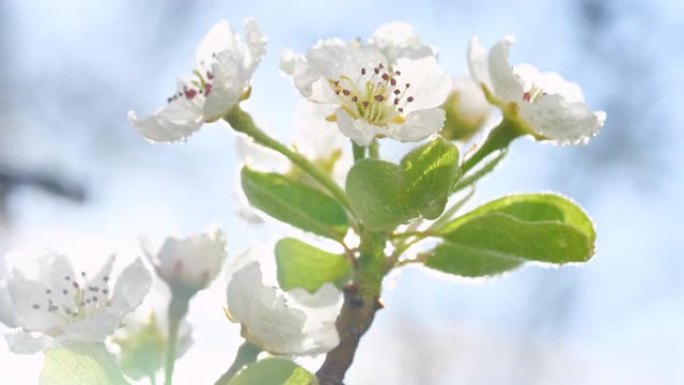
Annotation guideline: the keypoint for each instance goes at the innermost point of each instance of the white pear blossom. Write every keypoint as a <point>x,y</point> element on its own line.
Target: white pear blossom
<point>551,107</point>
<point>384,88</point>
<point>189,264</point>
<point>224,65</point>
<point>292,323</point>
<point>62,306</point>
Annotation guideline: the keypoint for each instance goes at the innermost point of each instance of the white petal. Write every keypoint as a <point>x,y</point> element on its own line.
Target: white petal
<point>565,123</point>
<point>359,130</point>
<point>256,44</point>
<point>327,295</point>
<point>399,39</point>
<point>230,81</point>
<point>429,84</point>
<point>131,287</point>
<point>471,103</point>
<point>290,62</point>
<point>505,84</point>
<point>21,342</point>
<point>176,120</point>
<point>319,138</point>
<point>418,125</point>
<point>330,59</point>
<point>219,38</point>
<point>478,63</point>
<point>101,278</point>
<point>194,261</point>
<point>266,319</point>
<point>55,270</point>
<point>93,329</point>
<point>549,82</point>
<point>25,294</point>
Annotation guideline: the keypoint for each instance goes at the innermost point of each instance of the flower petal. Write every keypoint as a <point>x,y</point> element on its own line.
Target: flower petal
<point>22,342</point>
<point>549,82</point>
<point>26,295</point>
<point>220,37</point>
<point>505,84</point>
<point>429,84</point>
<point>266,319</point>
<point>192,261</point>
<point>552,117</point>
<point>256,44</point>
<point>418,125</point>
<point>176,120</point>
<point>359,130</point>
<point>478,63</point>
<point>131,287</point>
<point>399,39</point>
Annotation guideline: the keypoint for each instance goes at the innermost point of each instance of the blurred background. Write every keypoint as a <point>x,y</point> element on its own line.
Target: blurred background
<point>73,172</point>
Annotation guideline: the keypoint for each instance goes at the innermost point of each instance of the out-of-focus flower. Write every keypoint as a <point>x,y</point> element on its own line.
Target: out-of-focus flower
<point>385,88</point>
<point>224,65</point>
<point>293,323</point>
<point>189,264</point>
<point>547,106</point>
<point>62,306</point>
<point>466,108</point>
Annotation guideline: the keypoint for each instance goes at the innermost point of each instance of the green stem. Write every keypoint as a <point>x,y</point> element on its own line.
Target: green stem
<point>446,217</point>
<point>499,138</point>
<point>374,149</point>
<point>473,177</point>
<point>246,354</point>
<point>178,308</point>
<point>242,122</point>
<point>358,151</point>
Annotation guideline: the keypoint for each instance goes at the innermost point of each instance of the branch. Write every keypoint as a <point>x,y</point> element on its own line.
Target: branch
<point>355,319</point>
<point>44,181</point>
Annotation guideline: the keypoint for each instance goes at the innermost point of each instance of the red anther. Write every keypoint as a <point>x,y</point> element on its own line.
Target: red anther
<point>527,96</point>
<point>189,93</point>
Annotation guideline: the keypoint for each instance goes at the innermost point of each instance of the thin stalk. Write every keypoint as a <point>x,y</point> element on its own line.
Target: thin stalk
<point>358,151</point>
<point>242,122</point>
<point>178,308</point>
<point>374,149</point>
<point>499,138</point>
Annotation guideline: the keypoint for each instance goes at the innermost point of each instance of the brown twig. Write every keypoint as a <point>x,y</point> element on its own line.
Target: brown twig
<point>355,319</point>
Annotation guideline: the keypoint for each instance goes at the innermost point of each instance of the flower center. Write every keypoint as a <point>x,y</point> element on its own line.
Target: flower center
<point>376,95</point>
<point>201,85</point>
<point>533,94</point>
<point>74,301</point>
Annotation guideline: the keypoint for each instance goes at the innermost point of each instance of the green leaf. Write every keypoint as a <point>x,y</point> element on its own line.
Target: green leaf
<point>503,234</point>
<point>295,203</point>
<point>301,265</point>
<point>274,371</point>
<point>430,171</point>
<point>80,364</point>
<point>385,195</point>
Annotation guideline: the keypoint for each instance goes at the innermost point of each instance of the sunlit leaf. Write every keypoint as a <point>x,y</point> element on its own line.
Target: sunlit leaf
<point>80,364</point>
<point>301,265</point>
